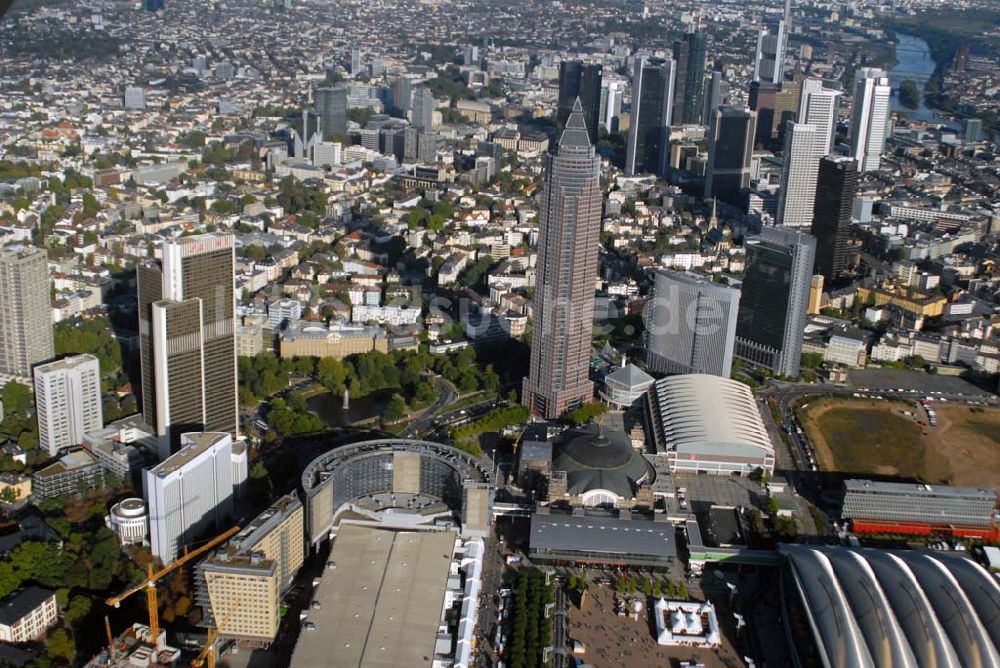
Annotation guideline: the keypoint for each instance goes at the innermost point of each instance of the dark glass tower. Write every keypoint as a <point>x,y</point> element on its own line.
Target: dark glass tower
<point>775,299</point>
<point>580,81</point>
<point>689,94</point>
<point>649,132</point>
<point>331,105</point>
<point>567,264</point>
<point>730,148</point>
<point>836,187</point>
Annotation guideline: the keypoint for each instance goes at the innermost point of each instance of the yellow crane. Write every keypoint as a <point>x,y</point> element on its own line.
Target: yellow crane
<point>208,651</point>
<point>149,584</point>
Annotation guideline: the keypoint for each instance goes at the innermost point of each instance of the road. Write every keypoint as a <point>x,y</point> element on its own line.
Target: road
<point>447,395</point>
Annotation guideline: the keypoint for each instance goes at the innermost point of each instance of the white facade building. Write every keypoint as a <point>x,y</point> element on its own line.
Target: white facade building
<point>870,117</point>
<point>129,521</point>
<point>191,492</point>
<point>281,311</point>
<point>68,401</point>
<point>25,615</point>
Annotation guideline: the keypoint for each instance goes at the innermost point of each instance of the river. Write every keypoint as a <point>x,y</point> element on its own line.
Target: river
<point>914,62</point>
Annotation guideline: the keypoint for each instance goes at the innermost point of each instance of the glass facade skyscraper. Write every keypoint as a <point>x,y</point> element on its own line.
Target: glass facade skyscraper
<point>583,81</point>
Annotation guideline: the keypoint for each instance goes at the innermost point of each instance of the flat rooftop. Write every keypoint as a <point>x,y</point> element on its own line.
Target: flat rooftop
<point>381,605</point>
<point>603,535</point>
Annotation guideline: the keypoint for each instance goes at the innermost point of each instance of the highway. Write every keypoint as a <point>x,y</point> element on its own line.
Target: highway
<point>447,394</point>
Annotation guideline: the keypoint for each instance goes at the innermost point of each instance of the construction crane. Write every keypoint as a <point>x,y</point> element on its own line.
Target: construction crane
<point>207,652</point>
<point>153,576</point>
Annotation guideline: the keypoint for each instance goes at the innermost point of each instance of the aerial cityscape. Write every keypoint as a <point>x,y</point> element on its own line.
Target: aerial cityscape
<point>472,334</point>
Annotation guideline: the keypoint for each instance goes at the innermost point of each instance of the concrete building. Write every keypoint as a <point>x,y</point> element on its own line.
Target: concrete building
<point>815,294</point>
<point>624,386</point>
<point>122,448</point>
<point>398,482</point>
<point>311,339</point>
<point>190,494</point>
<point>423,108</point>
<point>25,312</point>
<point>691,325</point>
<point>331,105</point>
<point>26,614</point>
<point>567,265</point>
<point>774,299</point>
<point>134,98</point>
<point>187,337</point>
<point>706,424</point>
<point>806,142</point>
<point>129,521</point>
<point>870,110</point>
<point>74,472</point>
<point>239,586</point>
<point>67,401</point>
<point>281,312</point>
<point>598,541</point>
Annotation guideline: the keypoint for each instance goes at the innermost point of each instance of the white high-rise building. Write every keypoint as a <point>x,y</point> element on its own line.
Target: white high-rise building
<point>806,142</point>
<point>25,311</point>
<point>870,117</point>
<point>818,106</point>
<point>327,154</point>
<point>612,93</point>
<point>190,494</point>
<point>68,401</point>
<point>134,98</point>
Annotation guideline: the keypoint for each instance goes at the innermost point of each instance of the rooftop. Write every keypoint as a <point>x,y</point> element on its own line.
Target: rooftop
<point>193,446</point>
<point>21,603</point>
<point>605,535</point>
<point>381,605</point>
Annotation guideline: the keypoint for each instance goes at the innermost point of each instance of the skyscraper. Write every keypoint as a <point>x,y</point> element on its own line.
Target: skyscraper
<point>190,494</point>
<point>25,310</point>
<point>67,401</point>
<point>869,117</point>
<point>775,106</point>
<point>691,325</point>
<point>730,148</point>
<point>715,96</point>
<point>836,188</point>
<point>805,143</point>
<point>423,108</point>
<point>567,265</point>
<point>612,93</point>
<point>187,337</point>
<point>769,63</point>
<point>774,299</point>
<point>690,54</point>
<point>356,61</point>
<point>581,81</point>
<point>331,105</point>
<point>652,106</point>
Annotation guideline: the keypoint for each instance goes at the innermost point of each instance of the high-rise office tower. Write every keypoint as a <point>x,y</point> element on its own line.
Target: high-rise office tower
<point>581,81</point>
<point>190,494</point>
<point>652,109</point>
<point>423,108</point>
<point>612,93</point>
<point>25,310</point>
<point>67,401</point>
<point>818,106</point>
<point>730,148</point>
<point>972,130</point>
<point>805,143</point>
<point>836,187</point>
<point>570,226</point>
<point>691,325</point>
<point>774,299</point>
<point>187,337</point>
<point>690,54</point>
<point>134,98</point>
<point>306,133</point>
<point>331,105</point>
<point>402,96</point>
<point>775,106</point>
<point>869,117</point>
<point>356,61</point>
<point>769,63</point>
<point>715,96</point>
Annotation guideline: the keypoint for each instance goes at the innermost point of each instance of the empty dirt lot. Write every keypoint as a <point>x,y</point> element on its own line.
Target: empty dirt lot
<point>875,437</point>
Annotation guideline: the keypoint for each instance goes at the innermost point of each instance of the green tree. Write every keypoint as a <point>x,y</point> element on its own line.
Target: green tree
<point>396,409</point>
<point>60,645</point>
<point>78,608</point>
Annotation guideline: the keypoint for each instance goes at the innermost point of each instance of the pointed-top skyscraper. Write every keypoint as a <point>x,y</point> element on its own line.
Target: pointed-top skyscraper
<point>567,265</point>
